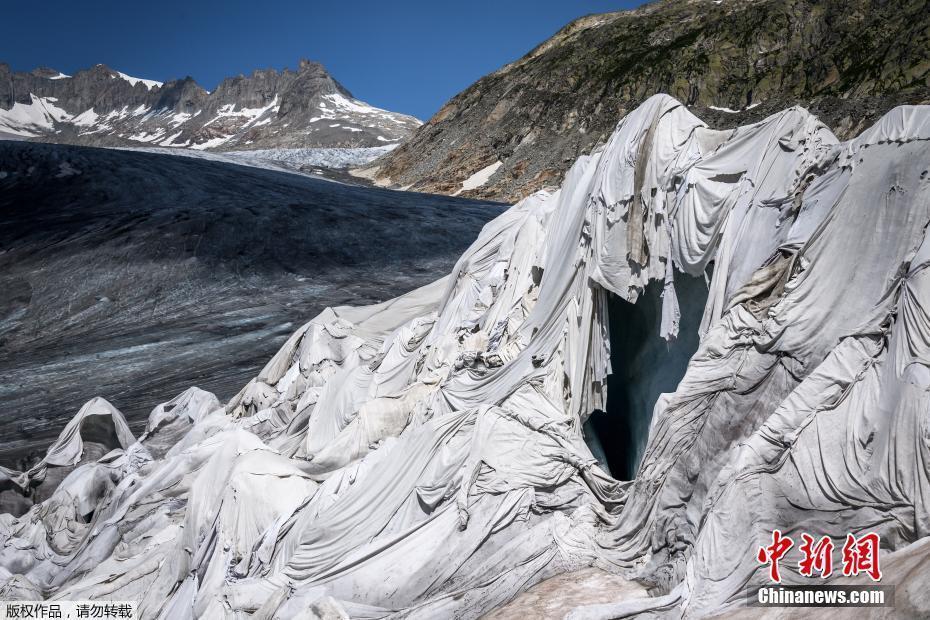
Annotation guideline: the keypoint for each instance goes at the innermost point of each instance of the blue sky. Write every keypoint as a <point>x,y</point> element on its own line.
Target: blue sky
<point>409,56</point>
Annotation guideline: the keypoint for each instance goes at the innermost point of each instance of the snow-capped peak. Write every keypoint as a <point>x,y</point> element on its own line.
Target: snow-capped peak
<point>132,80</point>
<point>266,111</point>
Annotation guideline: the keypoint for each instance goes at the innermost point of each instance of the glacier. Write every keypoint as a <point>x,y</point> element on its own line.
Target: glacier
<point>426,457</point>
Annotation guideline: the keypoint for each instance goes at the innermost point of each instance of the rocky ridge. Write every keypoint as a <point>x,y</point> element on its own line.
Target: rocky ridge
<point>732,62</point>
<point>306,108</point>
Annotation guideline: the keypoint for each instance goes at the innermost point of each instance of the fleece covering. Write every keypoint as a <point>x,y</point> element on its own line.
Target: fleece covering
<point>425,457</point>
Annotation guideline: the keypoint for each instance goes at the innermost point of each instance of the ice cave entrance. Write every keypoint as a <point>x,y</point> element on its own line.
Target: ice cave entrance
<point>644,366</point>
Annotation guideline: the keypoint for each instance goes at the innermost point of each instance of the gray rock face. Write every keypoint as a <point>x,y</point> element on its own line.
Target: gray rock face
<point>731,61</point>
<point>267,109</point>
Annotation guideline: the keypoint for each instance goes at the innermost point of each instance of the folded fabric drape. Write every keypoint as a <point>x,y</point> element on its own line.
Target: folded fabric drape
<point>425,458</point>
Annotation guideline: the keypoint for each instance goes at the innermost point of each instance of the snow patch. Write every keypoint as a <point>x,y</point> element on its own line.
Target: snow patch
<point>337,106</point>
<point>211,143</point>
<point>179,118</point>
<point>148,137</point>
<point>479,178</point>
<point>85,118</point>
<point>732,111</point>
<point>31,119</point>
<point>250,114</point>
<point>117,114</point>
<point>167,141</point>
<point>149,84</point>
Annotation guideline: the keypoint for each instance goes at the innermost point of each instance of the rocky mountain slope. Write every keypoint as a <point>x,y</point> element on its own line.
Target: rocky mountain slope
<point>731,61</point>
<point>306,108</point>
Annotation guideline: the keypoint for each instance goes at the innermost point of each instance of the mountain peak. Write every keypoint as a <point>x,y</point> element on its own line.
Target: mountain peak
<point>101,106</point>
<point>47,72</point>
<point>306,64</point>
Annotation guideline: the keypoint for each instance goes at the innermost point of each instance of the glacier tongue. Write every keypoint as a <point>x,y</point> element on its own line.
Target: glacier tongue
<point>424,457</point>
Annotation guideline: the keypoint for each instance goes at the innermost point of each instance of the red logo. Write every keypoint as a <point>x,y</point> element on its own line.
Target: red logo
<point>774,552</point>
<point>860,555</point>
<point>817,557</point>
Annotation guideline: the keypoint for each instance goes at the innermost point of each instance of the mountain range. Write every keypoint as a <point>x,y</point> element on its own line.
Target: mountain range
<point>100,106</point>
<point>730,61</point>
